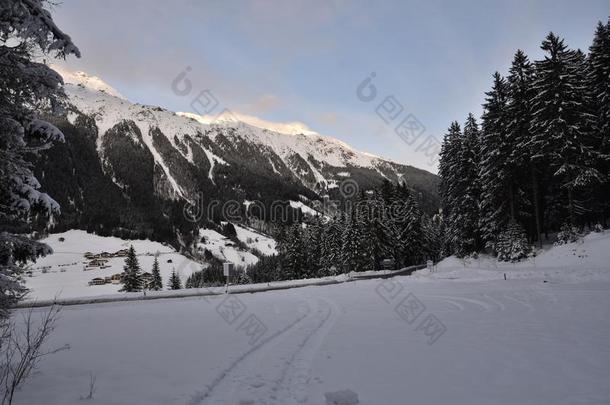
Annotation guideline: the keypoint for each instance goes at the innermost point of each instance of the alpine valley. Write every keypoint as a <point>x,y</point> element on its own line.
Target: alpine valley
<point>128,169</point>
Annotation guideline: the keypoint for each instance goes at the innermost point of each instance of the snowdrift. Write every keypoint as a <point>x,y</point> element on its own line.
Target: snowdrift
<point>588,259</point>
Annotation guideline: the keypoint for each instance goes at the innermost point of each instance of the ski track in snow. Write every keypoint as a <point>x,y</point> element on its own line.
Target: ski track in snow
<point>459,301</point>
<point>287,354</point>
<point>527,305</point>
<point>495,301</point>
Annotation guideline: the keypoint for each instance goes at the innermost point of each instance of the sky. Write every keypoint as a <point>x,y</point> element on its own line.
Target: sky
<point>429,62</point>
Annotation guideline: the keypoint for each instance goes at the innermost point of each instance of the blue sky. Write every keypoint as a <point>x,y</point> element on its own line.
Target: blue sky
<point>303,60</point>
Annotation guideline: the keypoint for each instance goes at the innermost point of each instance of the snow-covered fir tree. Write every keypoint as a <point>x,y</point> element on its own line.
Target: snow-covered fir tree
<point>408,233</point>
<point>174,281</point>
<point>599,85</point>
<point>433,229</point>
<point>450,184</point>
<point>362,217</point>
<point>313,243</point>
<point>524,172</point>
<point>330,249</point>
<point>350,242</point>
<point>459,188</point>
<point>380,241</point>
<point>26,29</point>
<point>468,202</point>
<point>561,121</point>
<point>544,157</point>
<point>156,283</point>
<point>356,252</point>
<point>497,192</point>
<point>132,277</point>
<point>293,252</point>
<point>512,244</point>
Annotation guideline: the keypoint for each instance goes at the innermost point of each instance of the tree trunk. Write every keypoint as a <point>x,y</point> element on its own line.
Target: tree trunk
<point>536,207</point>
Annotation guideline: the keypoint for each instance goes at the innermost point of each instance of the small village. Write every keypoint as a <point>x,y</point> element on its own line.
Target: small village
<point>100,261</point>
<point>117,278</point>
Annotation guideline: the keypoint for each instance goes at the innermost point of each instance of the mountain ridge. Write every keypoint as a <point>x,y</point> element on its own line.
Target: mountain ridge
<point>150,161</point>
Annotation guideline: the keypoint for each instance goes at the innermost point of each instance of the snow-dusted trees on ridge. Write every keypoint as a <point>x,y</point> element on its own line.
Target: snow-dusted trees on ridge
<point>543,147</point>
<point>26,89</point>
<point>386,224</point>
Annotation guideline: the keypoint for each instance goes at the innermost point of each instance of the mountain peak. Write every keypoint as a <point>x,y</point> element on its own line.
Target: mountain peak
<point>86,80</point>
<point>230,117</point>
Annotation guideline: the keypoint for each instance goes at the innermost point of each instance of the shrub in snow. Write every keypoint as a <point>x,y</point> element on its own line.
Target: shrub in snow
<point>242,278</point>
<point>598,228</point>
<point>345,397</point>
<point>228,230</point>
<point>512,244</point>
<point>568,234</point>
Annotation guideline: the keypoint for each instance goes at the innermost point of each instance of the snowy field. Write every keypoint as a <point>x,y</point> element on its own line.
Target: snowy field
<point>63,273</point>
<point>461,335</point>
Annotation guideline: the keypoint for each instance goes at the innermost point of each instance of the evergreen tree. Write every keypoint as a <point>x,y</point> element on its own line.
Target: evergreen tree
<point>174,281</point>
<point>293,258</point>
<point>363,213</point>
<point>599,79</point>
<point>380,235</point>
<point>449,188</point>
<point>406,227</point>
<point>519,117</point>
<point>459,187</point>
<point>497,195</point>
<point>542,156</point>
<point>512,244</point>
<point>392,222</point>
<point>349,246</point>
<point>433,230</point>
<point>356,249</point>
<point>265,270</point>
<point>313,244</point>
<point>599,87</point>
<point>330,249</point>
<point>27,32</point>
<point>561,123</point>
<point>468,202</point>
<point>156,283</point>
<point>132,280</point>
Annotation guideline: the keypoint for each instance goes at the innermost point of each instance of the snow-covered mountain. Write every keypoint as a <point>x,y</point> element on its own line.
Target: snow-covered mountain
<point>139,163</point>
<point>319,162</point>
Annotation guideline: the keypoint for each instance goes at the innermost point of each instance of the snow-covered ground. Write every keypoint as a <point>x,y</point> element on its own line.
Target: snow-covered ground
<point>587,259</point>
<point>222,248</point>
<point>256,240</point>
<point>456,336</point>
<point>62,274</point>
